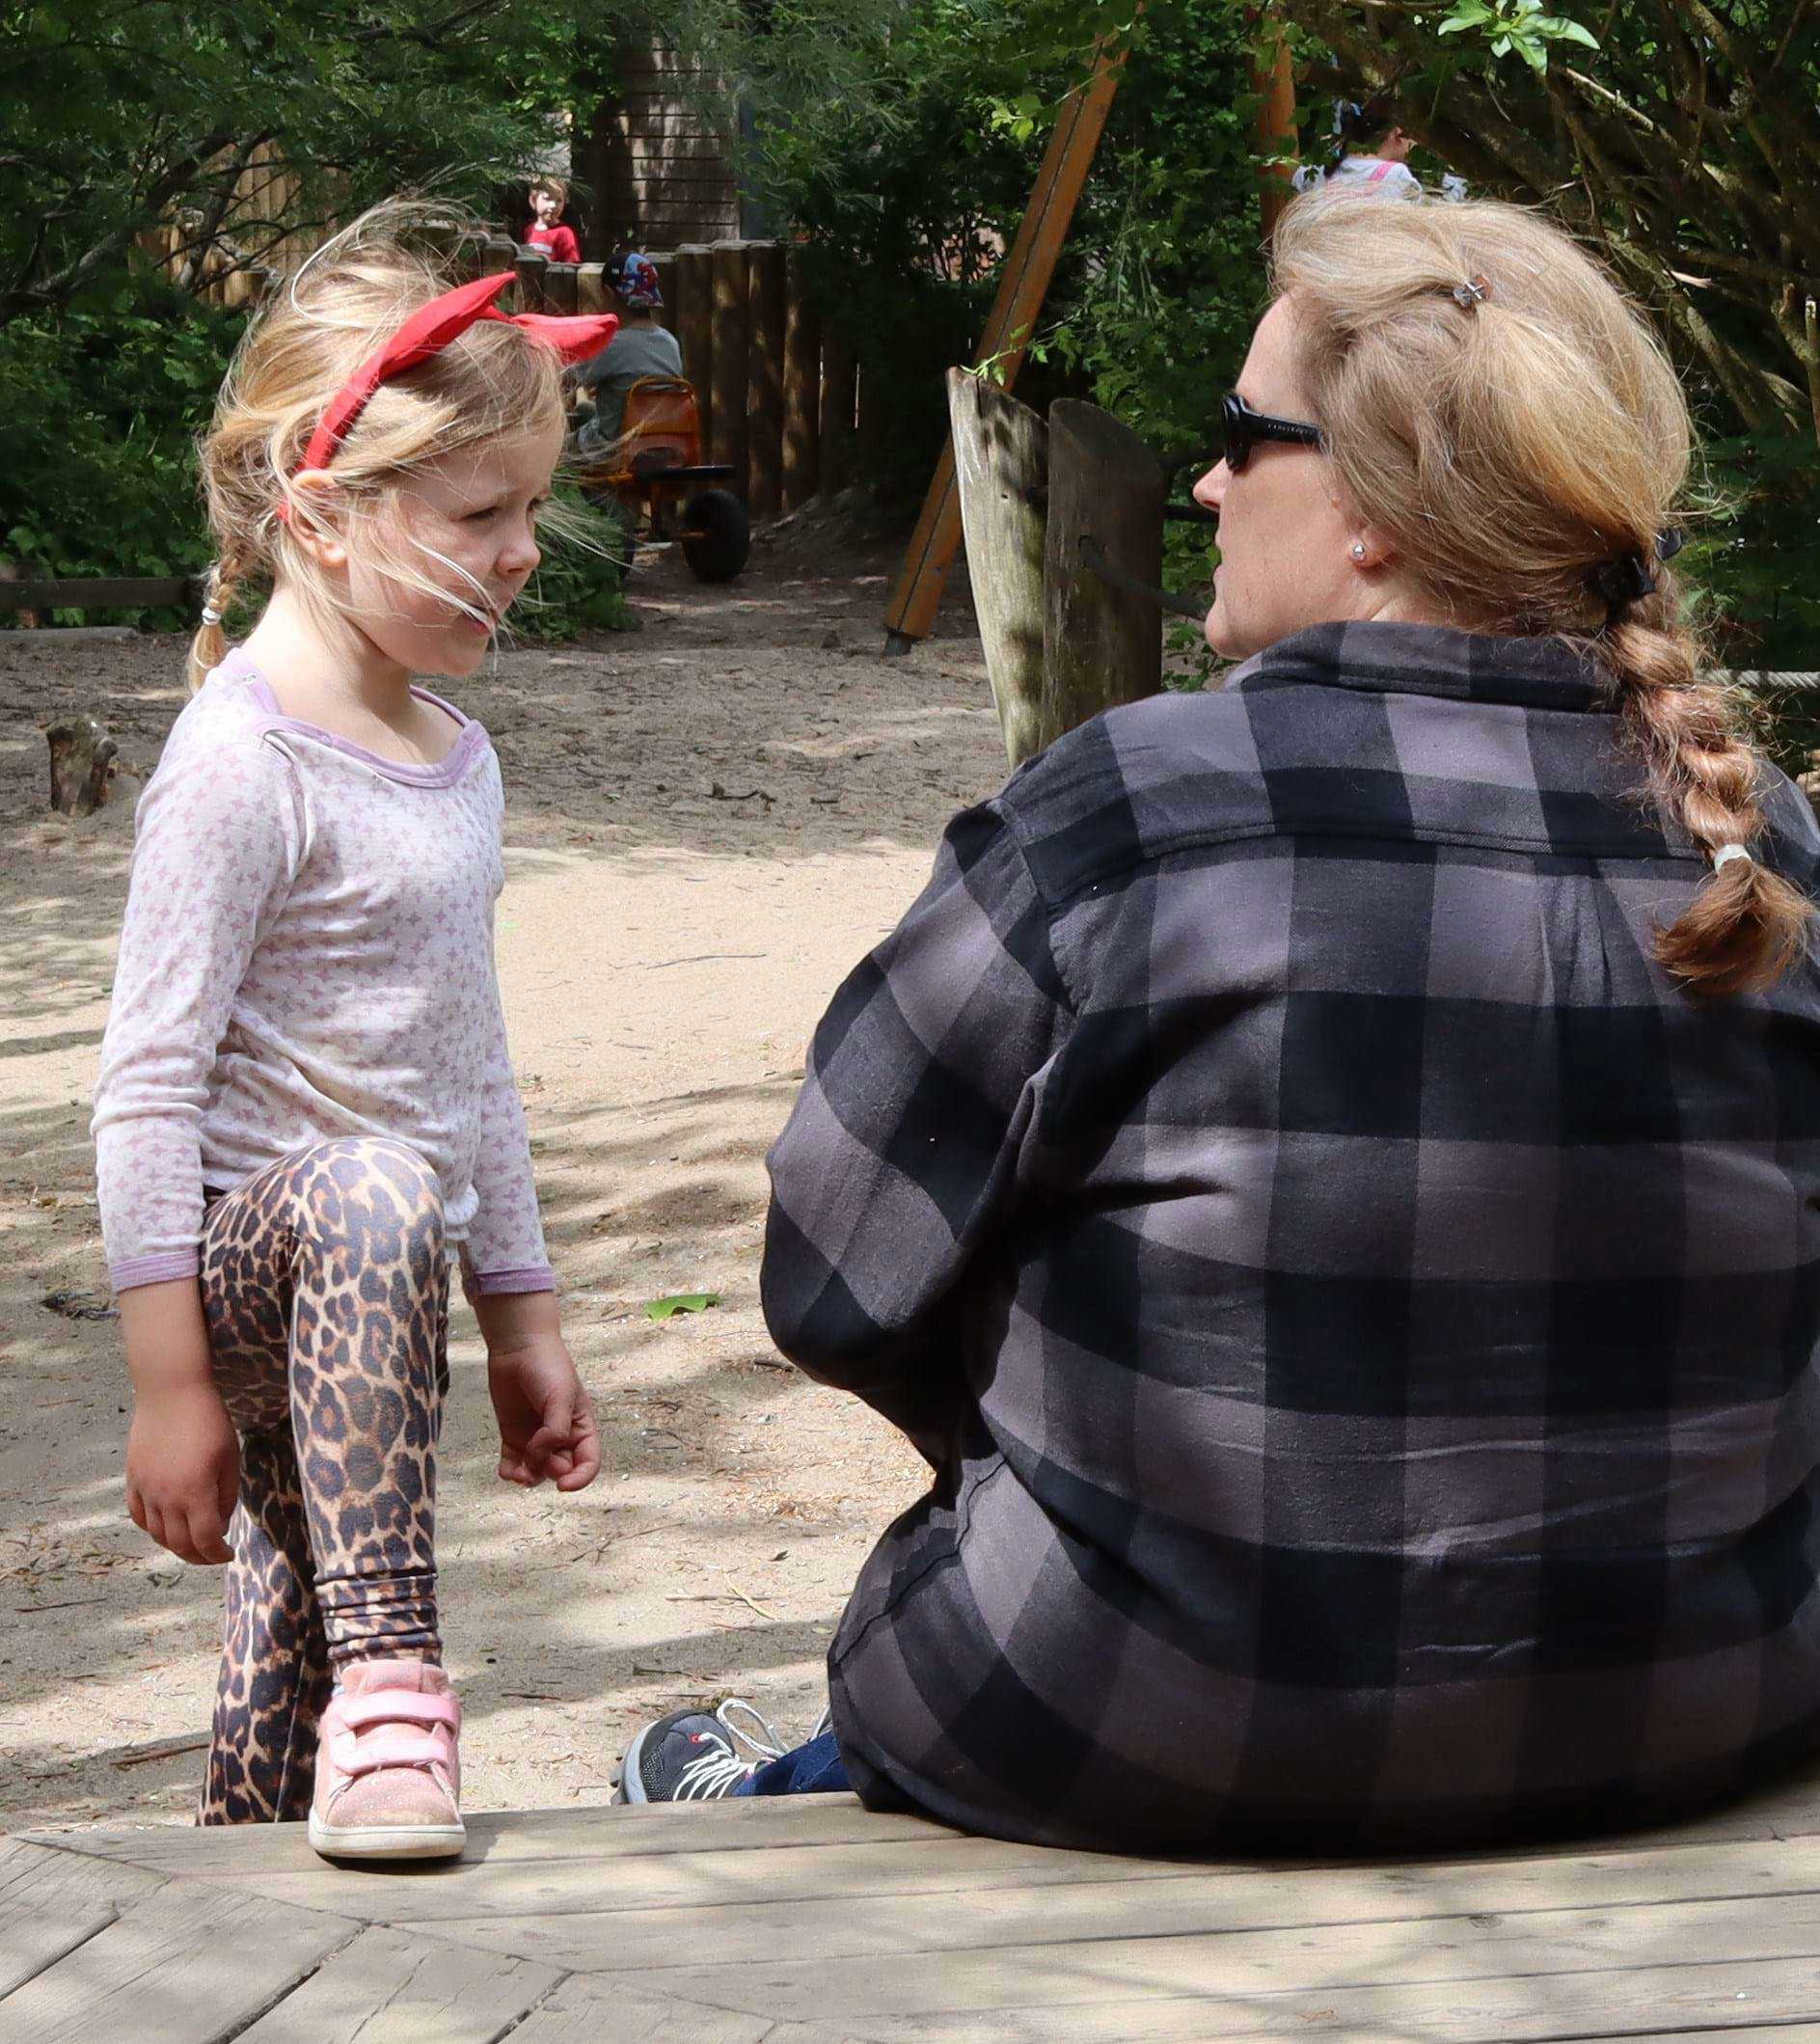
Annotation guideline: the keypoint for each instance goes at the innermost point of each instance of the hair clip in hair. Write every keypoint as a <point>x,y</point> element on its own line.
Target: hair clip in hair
<point>1473,292</point>
<point>1669,541</point>
<point>1628,579</point>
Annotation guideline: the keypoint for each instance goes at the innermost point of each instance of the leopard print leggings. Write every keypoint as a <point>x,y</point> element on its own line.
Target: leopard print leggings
<point>325,1286</point>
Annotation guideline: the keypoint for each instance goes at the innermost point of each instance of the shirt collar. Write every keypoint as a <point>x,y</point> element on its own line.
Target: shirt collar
<point>1548,673</point>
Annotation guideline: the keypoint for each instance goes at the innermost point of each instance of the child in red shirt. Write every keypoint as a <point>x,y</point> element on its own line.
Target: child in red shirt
<point>548,198</point>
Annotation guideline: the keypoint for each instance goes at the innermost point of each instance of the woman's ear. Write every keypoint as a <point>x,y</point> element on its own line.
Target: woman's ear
<point>315,531</point>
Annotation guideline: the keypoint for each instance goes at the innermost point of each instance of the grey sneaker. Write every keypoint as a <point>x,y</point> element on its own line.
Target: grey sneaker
<point>687,1757</point>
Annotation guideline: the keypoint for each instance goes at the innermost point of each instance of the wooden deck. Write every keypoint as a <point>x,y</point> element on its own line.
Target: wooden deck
<point>804,1921</point>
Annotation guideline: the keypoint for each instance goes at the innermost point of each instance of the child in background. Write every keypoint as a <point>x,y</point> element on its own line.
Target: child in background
<point>306,1104</point>
<point>643,346</point>
<point>1370,154</point>
<point>546,231</point>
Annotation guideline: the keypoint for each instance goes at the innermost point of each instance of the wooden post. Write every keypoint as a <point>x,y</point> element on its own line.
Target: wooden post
<point>501,254</point>
<point>1101,645</point>
<point>1022,285</point>
<point>801,392</point>
<point>664,265</point>
<point>592,294</point>
<point>693,323</point>
<point>1002,468</point>
<point>836,431</point>
<point>531,266</point>
<point>729,437</point>
<point>764,379</point>
<point>560,290</point>
<point>1273,80</point>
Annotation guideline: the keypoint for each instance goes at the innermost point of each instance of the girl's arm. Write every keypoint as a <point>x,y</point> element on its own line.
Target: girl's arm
<point>217,835</point>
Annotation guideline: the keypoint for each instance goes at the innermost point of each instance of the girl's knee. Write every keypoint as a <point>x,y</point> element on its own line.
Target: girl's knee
<point>377,1184</point>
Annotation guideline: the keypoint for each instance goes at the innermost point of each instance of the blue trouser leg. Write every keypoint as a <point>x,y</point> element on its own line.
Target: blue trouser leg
<point>816,1766</point>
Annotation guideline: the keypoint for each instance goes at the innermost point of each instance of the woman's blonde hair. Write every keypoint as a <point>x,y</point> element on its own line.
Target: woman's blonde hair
<point>1510,446</point>
<point>300,348</point>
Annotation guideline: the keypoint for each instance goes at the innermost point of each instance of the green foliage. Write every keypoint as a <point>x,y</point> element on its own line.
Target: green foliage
<point>1515,28</point>
<point>664,1309</point>
<point>99,410</point>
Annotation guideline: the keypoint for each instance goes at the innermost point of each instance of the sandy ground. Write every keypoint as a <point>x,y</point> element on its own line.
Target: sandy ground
<point>709,822</point>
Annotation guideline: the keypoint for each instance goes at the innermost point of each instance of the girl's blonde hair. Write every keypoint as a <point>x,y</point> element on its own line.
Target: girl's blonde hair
<point>300,348</point>
<point>1508,446</point>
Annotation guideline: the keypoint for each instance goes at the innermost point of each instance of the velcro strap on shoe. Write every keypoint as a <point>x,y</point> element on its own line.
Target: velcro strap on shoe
<point>392,1746</point>
<point>398,1706</point>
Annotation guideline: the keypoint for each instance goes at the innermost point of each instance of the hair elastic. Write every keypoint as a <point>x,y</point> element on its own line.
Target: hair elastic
<point>210,615</point>
<point>1727,853</point>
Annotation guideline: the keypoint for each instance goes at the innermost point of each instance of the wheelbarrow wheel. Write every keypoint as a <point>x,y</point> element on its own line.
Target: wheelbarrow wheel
<point>717,536</point>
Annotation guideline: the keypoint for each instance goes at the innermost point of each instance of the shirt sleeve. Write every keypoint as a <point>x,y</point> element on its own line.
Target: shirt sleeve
<point>505,1244</point>
<point>219,837</point>
<point>901,1153</point>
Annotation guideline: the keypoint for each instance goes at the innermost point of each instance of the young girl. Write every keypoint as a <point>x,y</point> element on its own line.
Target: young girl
<point>306,1104</point>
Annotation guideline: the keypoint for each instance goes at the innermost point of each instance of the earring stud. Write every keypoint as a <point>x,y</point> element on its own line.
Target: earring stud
<point>1358,550</point>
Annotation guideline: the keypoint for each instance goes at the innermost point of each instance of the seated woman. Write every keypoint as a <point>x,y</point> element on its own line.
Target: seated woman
<point>1329,1171</point>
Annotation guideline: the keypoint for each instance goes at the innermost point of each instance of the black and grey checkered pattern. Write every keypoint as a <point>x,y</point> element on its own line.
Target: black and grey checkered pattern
<point>1363,1314</point>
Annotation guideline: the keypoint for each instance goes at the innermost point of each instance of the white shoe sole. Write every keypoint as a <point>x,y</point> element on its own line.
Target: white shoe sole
<point>386,1841</point>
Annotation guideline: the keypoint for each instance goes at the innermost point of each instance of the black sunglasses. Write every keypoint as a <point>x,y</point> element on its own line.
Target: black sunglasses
<point>1245,429</point>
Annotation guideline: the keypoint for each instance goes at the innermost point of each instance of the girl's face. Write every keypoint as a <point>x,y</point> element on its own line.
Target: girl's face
<point>466,524</point>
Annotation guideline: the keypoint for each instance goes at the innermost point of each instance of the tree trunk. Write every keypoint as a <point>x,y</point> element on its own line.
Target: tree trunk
<point>1101,645</point>
<point>1001,465</point>
<point>84,763</point>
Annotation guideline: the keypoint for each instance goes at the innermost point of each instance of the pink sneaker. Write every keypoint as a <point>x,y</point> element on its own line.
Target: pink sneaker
<point>387,1770</point>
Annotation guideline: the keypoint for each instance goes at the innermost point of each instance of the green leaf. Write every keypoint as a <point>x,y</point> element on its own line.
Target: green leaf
<point>1558,29</point>
<point>663,1309</point>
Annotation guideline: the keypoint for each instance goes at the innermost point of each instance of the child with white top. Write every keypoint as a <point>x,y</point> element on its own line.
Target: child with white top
<point>306,1106</point>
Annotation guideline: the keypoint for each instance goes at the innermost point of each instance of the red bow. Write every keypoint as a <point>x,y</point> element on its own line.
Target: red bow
<point>429,330</point>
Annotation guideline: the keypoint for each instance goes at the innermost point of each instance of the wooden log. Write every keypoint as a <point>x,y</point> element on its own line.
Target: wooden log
<point>837,433</point>
<point>559,292</point>
<point>1001,465</point>
<point>663,262</point>
<point>501,252</point>
<point>801,390</point>
<point>727,436</point>
<point>766,298</point>
<point>1101,645</point>
<point>100,593</point>
<point>692,323</point>
<point>531,266</point>
<point>81,755</point>
<point>592,294</point>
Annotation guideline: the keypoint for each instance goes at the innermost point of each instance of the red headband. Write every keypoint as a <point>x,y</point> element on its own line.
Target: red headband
<point>429,330</point>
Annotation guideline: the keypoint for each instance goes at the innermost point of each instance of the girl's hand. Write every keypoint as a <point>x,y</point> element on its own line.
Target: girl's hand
<point>546,1419</point>
<point>183,1470</point>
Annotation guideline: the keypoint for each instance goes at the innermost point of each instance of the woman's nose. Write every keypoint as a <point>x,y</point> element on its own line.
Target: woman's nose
<point>1211,491</point>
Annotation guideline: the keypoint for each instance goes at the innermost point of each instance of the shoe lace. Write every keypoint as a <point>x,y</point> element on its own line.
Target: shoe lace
<point>716,1771</point>
<point>765,1740</point>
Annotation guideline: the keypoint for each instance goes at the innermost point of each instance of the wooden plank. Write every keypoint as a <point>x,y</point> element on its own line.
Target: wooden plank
<point>850,1903</point>
<point>1720,2004</point>
<point>1022,286</point>
<point>1101,645</point>
<point>531,266</point>
<point>693,326</point>
<point>561,291</point>
<point>766,301</point>
<point>1550,1951</point>
<point>388,1987</point>
<point>1002,460</point>
<point>585,2012</point>
<point>802,389</point>
<point>727,436</point>
<point>98,592</point>
<point>238,1851</point>
<point>51,1902</point>
<point>185,1965</point>
<point>837,428</point>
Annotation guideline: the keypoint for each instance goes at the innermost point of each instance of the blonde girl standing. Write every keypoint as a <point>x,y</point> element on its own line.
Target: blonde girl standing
<point>306,1108</point>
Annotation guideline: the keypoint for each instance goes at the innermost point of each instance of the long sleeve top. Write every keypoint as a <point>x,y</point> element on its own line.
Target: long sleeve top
<point>1364,1312</point>
<point>308,954</point>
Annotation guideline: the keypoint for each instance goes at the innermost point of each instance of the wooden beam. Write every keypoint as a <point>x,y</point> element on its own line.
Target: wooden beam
<point>102,593</point>
<point>1022,286</point>
<point>764,378</point>
<point>802,389</point>
<point>692,323</point>
<point>1273,80</point>
<point>728,438</point>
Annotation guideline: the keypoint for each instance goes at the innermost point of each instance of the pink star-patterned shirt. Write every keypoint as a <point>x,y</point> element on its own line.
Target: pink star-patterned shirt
<point>308,954</point>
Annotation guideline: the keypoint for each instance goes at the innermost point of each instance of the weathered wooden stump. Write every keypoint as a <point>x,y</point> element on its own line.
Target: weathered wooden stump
<point>1101,644</point>
<point>84,766</point>
<point>1001,451</point>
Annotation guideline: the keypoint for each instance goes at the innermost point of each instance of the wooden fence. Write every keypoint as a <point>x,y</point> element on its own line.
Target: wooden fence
<point>780,398</point>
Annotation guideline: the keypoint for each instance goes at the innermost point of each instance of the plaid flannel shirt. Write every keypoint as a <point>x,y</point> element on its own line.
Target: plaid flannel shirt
<point>1361,1314</point>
